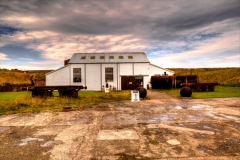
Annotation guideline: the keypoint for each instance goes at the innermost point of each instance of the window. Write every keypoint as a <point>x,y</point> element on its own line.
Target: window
<point>130,57</point>
<point>109,74</point>
<point>83,57</point>
<point>102,57</point>
<point>111,57</point>
<point>77,75</point>
<point>92,57</point>
<point>120,57</point>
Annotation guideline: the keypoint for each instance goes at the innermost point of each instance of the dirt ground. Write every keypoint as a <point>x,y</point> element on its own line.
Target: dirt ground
<point>161,127</point>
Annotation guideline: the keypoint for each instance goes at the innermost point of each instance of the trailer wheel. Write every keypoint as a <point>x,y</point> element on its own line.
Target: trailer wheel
<point>211,87</point>
<point>33,94</point>
<point>75,94</point>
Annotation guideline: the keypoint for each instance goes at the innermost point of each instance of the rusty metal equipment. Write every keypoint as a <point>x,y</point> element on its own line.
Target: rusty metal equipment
<point>162,82</point>
<point>208,86</point>
<point>64,91</point>
<point>176,81</point>
<point>186,92</point>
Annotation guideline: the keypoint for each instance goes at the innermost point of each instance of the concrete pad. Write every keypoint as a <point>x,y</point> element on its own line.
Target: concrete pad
<point>4,128</point>
<point>180,129</point>
<point>50,130</point>
<point>117,135</point>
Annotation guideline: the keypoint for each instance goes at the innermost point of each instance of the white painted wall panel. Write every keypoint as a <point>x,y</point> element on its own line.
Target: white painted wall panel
<point>141,69</point>
<point>93,76</point>
<point>126,69</point>
<point>153,70</point>
<point>58,77</point>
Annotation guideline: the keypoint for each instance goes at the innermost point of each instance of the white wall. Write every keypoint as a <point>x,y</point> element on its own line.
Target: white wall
<point>141,69</point>
<point>157,70</point>
<point>93,76</point>
<point>58,77</point>
<point>125,69</point>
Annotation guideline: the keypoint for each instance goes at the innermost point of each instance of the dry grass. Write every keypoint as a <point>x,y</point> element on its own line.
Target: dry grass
<point>22,102</point>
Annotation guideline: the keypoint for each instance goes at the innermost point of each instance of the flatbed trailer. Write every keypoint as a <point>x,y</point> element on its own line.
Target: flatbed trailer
<point>64,91</point>
<point>208,86</point>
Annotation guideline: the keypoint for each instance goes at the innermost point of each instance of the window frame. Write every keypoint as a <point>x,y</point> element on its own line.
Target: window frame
<point>77,73</point>
<point>109,74</point>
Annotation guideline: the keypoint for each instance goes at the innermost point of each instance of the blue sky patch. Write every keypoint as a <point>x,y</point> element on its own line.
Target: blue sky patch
<point>19,53</point>
<point>8,30</point>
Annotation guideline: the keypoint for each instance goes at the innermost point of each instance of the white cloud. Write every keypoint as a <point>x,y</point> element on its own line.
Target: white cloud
<point>3,57</point>
<point>220,51</point>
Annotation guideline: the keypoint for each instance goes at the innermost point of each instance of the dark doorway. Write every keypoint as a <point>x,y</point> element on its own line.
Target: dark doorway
<point>138,81</point>
<point>131,82</point>
<point>128,82</point>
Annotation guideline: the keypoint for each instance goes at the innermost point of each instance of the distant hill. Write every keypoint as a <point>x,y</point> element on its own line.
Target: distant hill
<point>18,77</point>
<point>224,76</point>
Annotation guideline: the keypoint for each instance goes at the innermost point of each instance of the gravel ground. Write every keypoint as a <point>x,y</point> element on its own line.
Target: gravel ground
<point>162,127</point>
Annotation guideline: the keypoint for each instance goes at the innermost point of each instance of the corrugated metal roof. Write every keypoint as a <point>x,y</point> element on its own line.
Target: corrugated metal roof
<point>111,57</point>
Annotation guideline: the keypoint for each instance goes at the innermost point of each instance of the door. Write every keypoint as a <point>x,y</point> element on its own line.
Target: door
<point>128,83</point>
<point>138,81</point>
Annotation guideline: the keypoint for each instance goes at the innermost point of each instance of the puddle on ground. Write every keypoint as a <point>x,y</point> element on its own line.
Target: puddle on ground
<point>194,117</point>
<point>200,106</point>
<point>146,108</point>
<point>50,131</point>
<point>178,107</point>
<point>47,144</point>
<point>73,122</point>
<point>203,148</point>
<point>135,119</point>
<point>230,117</point>
<point>117,135</point>
<point>27,140</point>
<point>165,107</point>
<point>207,127</point>
<point>173,142</point>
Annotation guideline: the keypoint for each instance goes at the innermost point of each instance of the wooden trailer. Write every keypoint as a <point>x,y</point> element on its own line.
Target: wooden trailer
<point>64,91</point>
<point>208,86</point>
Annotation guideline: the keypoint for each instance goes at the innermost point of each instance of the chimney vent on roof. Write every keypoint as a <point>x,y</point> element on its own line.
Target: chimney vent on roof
<point>66,62</point>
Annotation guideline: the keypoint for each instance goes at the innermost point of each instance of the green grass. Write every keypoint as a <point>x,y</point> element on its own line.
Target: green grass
<point>10,96</point>
<point>22,102</point>
<point>220,92</point>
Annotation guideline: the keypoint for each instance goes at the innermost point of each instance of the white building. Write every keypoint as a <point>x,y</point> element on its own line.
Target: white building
<point>122,71</point>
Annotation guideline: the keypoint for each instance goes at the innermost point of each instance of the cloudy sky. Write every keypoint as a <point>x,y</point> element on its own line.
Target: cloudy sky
<point>41,34</point>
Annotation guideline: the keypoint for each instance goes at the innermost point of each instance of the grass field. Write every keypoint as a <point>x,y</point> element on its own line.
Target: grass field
<point>22,102</point>
<point>220,92</point>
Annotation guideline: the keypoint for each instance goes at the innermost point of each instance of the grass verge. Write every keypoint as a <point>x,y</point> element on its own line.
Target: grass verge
<point>22,102</point>
<point>220,92</point>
